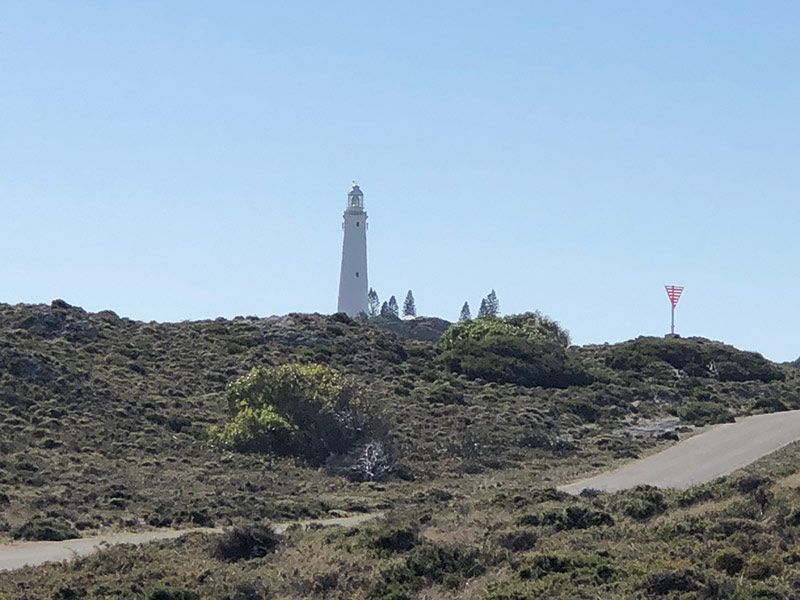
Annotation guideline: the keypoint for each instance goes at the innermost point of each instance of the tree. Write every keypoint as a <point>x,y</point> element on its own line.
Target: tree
<point>386,311</point>
<point>374,303</point>
<point>394,307</point>
<point>493,304</point>
<point>483,311</point>
<point>409,307</point>
<point>466,315</point>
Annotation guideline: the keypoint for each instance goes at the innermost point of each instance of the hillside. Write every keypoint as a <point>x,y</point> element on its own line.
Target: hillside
<point>104,421</point>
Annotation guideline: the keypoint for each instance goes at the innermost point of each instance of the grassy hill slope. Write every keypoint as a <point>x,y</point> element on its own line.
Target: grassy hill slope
<point>103,420</point>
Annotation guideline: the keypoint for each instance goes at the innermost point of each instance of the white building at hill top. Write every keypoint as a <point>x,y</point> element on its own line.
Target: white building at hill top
<point>353,278</point>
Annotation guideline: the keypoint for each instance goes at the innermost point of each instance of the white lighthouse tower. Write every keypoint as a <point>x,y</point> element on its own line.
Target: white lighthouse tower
<point>353,279</point>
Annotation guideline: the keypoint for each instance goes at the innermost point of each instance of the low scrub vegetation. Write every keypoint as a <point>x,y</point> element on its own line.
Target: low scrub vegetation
<point>731,539</point>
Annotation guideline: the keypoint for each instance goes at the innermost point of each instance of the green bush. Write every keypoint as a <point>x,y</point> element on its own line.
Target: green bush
<point>762,567</point>
<point>793,519</point>
<point>446,564</point>
<point>526,349</point>
<point>305,410</point>
<point>445,393</point>
<point>577,517</point>
<point>703,413</point>
<point>543,565</point>
<point>393,539</point>
<point>427,564</point>
<point>713,490</point>
<point>661,584</point>
<point>695,357</point>
<point>517,540</point>
<point>173,594</point>
<point>45,529</point>
<point>642,502</point>
<point>244,542</point>
<point>728,560</point>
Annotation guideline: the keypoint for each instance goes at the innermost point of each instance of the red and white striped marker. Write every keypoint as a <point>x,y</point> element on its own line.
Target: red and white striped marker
<point>674,292</point>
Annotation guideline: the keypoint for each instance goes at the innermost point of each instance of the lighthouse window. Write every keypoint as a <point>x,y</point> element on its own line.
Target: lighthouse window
<point>358,223</point>
<point>356,273</point>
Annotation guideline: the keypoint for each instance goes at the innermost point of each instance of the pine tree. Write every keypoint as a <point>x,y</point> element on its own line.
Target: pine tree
<point>493,304</point>
<point>466,314</point>
<point>386,311</point>
<point>394,307</point>
<point>409,306</point>
<point>483,311</point>
<point>374,303</point>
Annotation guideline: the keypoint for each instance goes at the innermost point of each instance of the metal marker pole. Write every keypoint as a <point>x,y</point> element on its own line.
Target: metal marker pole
<point>672,331</point>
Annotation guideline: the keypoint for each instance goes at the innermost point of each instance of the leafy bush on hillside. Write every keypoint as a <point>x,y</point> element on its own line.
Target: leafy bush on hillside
<point>576,517</point>
<point>449,565</point>
<point>695,357</point>
<point>304,410</point>
<point>45,529</point>
<point>698,412</point>
<point>173,594</point>
<point>642,502</point>
<point>527,349</point>
<point>244,542</point>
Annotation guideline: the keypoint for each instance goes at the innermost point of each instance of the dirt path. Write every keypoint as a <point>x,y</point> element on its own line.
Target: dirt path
<point>16,556</point>
<point>715,452</point>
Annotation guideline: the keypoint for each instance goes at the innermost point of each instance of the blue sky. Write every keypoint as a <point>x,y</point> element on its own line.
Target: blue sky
<point>184,160</point>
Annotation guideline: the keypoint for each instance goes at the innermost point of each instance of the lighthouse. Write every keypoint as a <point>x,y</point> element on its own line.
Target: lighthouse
<point>353,278</point>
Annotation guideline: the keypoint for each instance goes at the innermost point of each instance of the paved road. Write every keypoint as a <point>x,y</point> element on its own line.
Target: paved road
<point>706,456</point>
<point>16,556</point>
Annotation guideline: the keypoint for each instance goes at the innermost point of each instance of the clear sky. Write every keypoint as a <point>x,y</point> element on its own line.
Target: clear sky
<point>184,160</point>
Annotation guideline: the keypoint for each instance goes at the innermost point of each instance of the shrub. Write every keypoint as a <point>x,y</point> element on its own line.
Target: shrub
<point>704,413</point>
<point>173,594</point>
<point>577,517</point>
<point>728,560</point>
<point>695,357</point>
<point>526,349</point>
<point>446,564</point>
<point>793,519</point>
<point>445,393</point>
<point>394,539</point>
<point>69,593</point>
<point>585,409</point>
<point>714,490</point>
<point>426,564</point>
<point>542,565</point>
<point>642,502</point>
<point>244,542</point>
<point>661,584</point>
<point>762,567</point>
<point>258,430</point>
<point>306,410</point>
<point>45,529</point>
<point>751,483</point>
<point>368,461</point>
<point>517,541</point>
